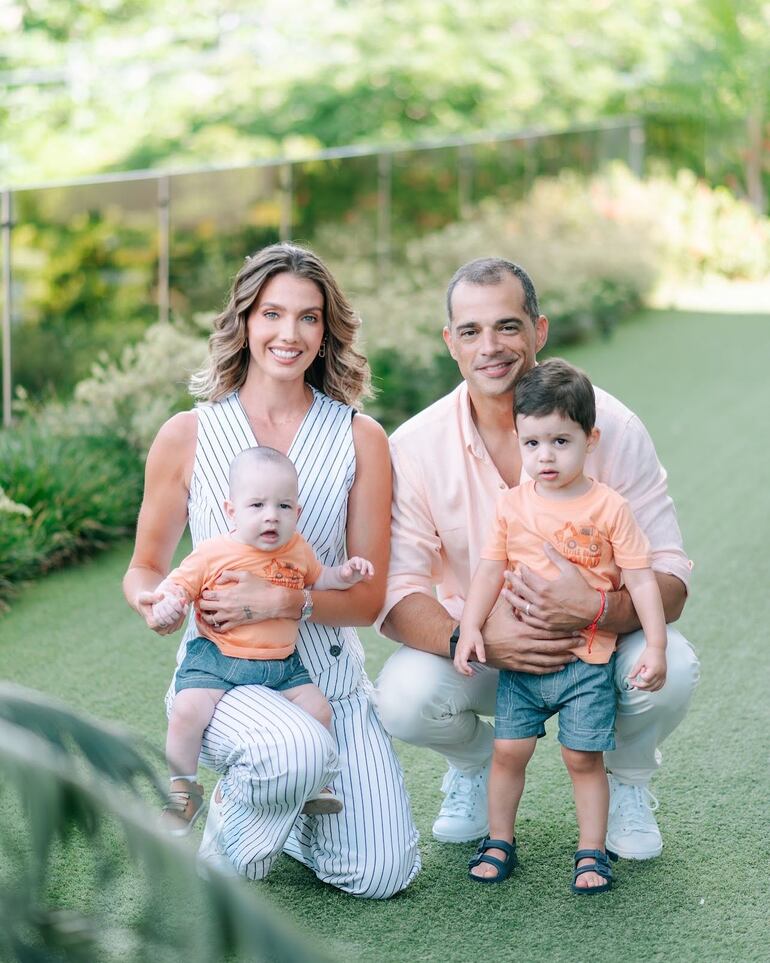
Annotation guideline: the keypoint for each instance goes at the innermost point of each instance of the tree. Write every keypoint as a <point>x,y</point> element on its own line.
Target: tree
<point>722,76</point>
<point>177,82</point>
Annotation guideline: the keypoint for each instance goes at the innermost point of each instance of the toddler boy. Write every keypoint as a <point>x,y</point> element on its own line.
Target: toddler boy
<point>593,527</point>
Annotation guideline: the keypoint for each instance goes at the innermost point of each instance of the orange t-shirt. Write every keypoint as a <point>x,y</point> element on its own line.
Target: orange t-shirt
<point>293,565</point>
<point>596,531</point>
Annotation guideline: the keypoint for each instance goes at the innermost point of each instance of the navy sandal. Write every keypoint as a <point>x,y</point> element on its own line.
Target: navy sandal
<point>600,866</point>
<point>504,867</point>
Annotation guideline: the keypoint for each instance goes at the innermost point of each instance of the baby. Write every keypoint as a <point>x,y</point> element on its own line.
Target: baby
<point>593,527</point>
<point>263,506</point>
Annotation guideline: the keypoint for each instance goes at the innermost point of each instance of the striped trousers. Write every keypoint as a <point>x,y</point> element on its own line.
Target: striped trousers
<point>273,756</point>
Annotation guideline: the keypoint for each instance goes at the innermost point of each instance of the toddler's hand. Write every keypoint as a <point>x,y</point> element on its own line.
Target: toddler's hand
<point>356,569</point>
<point>650,670</point>
<point>470,644</point>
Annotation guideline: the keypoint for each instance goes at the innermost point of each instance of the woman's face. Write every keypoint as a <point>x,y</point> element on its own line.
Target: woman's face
<point>286,326</point>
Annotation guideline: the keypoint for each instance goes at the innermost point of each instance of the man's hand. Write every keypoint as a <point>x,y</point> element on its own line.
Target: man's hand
<point>240,597</point>
<point>512,644</point>
<point>561,605</point>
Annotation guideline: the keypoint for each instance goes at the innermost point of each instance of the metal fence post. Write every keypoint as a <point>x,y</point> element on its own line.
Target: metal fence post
<point>464,181</point>
<point>5,222</point>
<point>164,247</point>
<point>384,192</point>
<point>636,141</point>
<point>285,179</point>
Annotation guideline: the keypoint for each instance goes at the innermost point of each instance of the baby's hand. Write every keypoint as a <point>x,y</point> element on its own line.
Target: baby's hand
<point>172,607</point>
<point>356,569</point>
<point>470,644</point>
<point>650,670</point>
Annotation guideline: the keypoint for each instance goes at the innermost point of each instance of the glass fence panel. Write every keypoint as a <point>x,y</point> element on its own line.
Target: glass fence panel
<point>84,276</point>
<point>216,219</point>
<point>424,191</point>
<point>335,204</point>
<point>501,169</point>
<point>93,265</point>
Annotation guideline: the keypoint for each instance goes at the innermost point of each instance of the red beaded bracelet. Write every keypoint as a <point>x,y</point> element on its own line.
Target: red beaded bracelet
<point>591,629</point>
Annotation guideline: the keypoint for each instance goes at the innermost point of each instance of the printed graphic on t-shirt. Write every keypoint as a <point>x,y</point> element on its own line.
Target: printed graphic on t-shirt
<point>286,574</point>
<point>581,544</point>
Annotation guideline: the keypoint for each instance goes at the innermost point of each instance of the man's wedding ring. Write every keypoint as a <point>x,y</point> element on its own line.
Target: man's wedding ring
<point>526,610</point>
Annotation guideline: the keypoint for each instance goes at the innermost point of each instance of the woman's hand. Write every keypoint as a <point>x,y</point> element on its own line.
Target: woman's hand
<point>144,604</point>
<point>240,597</point>
<point>162,517</point>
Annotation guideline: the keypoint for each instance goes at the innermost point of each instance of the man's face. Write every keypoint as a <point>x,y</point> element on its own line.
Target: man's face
<point>491,336</point>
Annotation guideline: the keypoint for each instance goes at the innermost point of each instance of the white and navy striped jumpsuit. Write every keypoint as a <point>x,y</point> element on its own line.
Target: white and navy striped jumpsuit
<point>272,754</point>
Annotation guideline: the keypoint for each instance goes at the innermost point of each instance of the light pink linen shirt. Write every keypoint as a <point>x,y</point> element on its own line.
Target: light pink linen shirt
<point>445,487</point>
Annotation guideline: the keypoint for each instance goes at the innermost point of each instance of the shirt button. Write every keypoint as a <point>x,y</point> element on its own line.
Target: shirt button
<point>335,649</point>
<point>503,485</point>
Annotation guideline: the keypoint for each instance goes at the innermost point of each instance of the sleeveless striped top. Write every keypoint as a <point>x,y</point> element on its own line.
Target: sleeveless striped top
<point>324,456</point>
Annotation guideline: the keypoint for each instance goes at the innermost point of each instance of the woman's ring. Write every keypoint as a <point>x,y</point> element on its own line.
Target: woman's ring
<point>526,610</point>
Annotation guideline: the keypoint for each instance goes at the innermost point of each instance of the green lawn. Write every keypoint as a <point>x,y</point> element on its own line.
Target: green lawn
<point>700,382</point>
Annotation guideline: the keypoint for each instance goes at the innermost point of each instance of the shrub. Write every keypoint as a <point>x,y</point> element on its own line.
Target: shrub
<point>132,397</point>
<point>596,249</point>
<point>18,555</point>
<point>699,230</point>
<point>80,492</point>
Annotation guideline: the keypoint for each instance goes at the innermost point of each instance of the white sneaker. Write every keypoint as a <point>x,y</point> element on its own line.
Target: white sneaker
<point>632,831</point>
<point>211,853</point>
<point>463,814</point>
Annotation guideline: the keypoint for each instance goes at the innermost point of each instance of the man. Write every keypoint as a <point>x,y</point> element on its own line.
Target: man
<point>449,464</point>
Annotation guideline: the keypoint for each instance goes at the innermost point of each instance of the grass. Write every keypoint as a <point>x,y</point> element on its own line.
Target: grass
<point>699,381</point>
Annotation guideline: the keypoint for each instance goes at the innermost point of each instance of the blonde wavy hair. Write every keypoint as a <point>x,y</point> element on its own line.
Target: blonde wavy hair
<point>343,374</point>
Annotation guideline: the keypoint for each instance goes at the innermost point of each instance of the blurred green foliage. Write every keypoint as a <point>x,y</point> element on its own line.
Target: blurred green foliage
<point>133,84</point>
<point>82,492</point>
<point>87,286</point>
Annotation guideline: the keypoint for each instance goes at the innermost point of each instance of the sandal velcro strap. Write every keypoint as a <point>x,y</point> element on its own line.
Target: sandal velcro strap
<point>597,868</point>
<point>504,867</point>
<point>596,854</point>
<point>600,866</point>
<point>508,848</point>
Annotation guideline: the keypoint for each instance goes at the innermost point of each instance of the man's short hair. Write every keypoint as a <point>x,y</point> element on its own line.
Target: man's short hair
<point>492,270</point>
<point>556,385</point>
<point>256,458</point>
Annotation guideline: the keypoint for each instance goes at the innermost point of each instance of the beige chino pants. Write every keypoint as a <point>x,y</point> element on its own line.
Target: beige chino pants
<point>423,700</point>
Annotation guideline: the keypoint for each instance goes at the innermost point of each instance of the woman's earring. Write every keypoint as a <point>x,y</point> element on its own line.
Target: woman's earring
<point>245,344</point>
<point>322,349</point>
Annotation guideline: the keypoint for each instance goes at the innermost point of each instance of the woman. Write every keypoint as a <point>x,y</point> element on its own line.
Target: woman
<point>283,372</point>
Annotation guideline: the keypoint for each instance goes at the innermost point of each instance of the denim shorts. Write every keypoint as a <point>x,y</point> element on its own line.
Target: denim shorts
<point>583,695</point>
<point>204,667</point>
